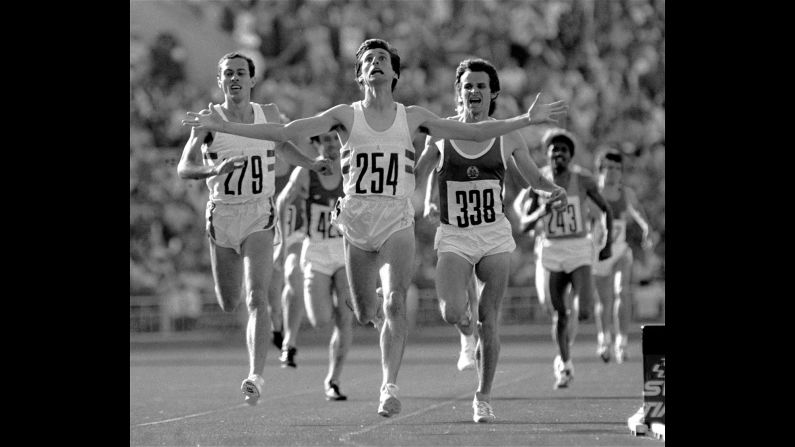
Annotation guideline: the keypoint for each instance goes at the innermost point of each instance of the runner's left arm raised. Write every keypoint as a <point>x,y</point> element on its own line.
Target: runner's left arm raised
<point>428,122</point>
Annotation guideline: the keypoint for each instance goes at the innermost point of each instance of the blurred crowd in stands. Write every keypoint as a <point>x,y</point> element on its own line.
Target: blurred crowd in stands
<point>606,57</point>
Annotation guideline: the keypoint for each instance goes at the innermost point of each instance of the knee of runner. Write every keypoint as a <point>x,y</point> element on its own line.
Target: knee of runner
<point>452,316</point>
<point>395,304</point>
<point>257,298</point>
<point>488,327</point>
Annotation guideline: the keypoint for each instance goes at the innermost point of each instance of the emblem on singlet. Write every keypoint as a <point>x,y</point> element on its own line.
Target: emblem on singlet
<point>473,172</point>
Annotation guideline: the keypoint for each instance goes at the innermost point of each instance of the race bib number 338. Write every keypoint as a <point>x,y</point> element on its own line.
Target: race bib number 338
<point>473,203</point>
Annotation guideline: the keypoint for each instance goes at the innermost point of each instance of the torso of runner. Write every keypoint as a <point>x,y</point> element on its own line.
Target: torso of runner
<point>568,222</point>
<point>378,163</point>
<point>319,204</point>
<point>255,180</point>
<point>471,186</point>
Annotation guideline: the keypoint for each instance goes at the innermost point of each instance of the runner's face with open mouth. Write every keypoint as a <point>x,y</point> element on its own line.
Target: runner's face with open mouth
<point>475,92</point>
<point>377,66</point>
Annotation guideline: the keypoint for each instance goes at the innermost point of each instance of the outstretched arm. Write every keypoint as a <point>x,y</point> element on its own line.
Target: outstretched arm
<point>294,156</point>
<point>209,119</point>
<point>432,124</point>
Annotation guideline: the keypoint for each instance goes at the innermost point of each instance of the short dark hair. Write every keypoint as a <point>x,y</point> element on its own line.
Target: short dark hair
<point>477,64</point>
<point>234,55</point>
<point>611,154</point>
<point>369,44</point>
<point>558,136</point>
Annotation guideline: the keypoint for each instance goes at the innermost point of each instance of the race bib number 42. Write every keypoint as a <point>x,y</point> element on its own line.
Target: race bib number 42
<point>320,227</point>
<point>473,203</point>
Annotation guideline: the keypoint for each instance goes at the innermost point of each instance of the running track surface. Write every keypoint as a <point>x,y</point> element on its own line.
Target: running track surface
<point>190,395</point>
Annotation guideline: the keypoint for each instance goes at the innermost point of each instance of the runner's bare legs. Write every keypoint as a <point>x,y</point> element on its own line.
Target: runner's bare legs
<point>493,272</point>
<point>394,263</point>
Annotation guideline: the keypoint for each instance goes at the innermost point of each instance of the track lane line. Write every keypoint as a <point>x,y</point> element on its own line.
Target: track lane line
<point>219,410</point>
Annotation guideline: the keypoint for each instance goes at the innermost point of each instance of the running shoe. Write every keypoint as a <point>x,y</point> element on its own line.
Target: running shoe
<point>603,346</point>
<point>333,391</point>
<point>252,388</point>
<point>288,357</point>
<point>389,404</point>
<point>564,373</point>
<point>277,339</point>
<point>483,411</point>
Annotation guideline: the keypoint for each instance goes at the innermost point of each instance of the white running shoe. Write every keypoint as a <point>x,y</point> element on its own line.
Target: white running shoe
<point>483,411</point>
<point>564,373</point>
<point>252,388</point>
<point>466,359</point>
<point>603,343</point>
<point>389,405</point>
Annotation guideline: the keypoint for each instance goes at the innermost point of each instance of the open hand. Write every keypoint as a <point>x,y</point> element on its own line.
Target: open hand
<point>207,119</point>
<point>545,113</point>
